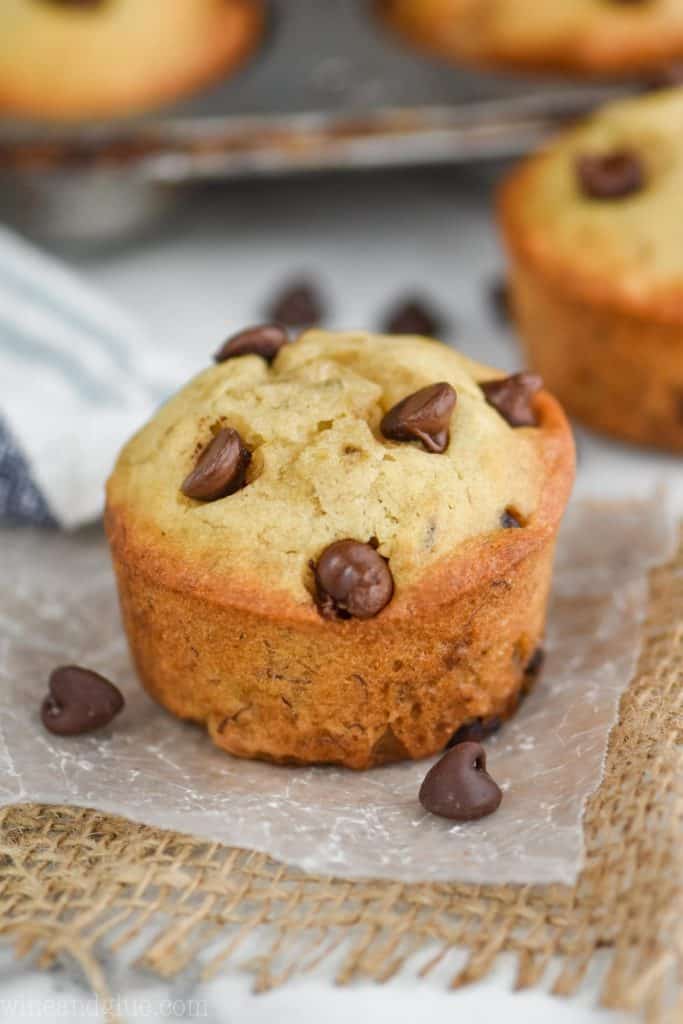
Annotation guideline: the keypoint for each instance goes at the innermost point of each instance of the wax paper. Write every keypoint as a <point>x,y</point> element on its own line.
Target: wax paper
<point>58,605</point>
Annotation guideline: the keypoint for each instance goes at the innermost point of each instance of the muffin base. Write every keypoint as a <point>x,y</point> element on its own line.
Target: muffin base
<point>616,372</point>
<point>331,692</point>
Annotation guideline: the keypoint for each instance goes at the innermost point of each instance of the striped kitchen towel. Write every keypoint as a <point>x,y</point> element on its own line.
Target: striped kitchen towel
<point>77,376</point>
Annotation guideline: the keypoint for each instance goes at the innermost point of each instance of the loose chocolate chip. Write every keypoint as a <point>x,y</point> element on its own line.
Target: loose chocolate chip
<point>510,520</point>
<point>220,469</point>
<point>352,581</point>
<point>511,397</point>
<point>499,297</point>
<point>678,405</point>
<point>665,78</point>
<point>298,305</point>
<point>413,316</point>
<point>459,787</point>
<point>476,730</point>
<point>612,175</point>
<point>535,663</point>
<point>79,701</point>
<point>265,340</point>
<point>423,416</point>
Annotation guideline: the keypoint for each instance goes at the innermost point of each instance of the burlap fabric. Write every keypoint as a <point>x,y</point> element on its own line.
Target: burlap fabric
<point>80,883</point>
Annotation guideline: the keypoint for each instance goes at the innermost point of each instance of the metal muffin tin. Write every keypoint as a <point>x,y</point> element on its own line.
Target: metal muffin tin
<point>330,88</point>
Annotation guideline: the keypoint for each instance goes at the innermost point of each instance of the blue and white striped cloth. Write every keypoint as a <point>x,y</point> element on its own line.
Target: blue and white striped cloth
<point>77,376</point>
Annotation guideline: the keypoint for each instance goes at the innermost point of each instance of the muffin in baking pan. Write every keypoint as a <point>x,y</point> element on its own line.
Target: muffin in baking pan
<point>340,549</point>
<point>70,59</point>
<point>590,37</point>
<point>596,267</point>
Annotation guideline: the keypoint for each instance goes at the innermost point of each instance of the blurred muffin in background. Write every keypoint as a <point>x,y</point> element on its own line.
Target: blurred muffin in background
<point>591,37</point>
<point>69,59</point>
<point>592,228</point>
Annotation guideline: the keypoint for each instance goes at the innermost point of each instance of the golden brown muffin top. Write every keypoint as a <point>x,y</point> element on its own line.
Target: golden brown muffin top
<point>321,469</point>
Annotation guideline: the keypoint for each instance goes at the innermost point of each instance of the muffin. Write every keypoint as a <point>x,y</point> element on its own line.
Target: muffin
<point>596,264</point>
<point>339,550</point>
<point>91,58</point>
<point>590,37</point>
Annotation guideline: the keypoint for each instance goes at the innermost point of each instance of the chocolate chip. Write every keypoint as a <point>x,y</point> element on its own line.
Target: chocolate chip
<point>666,77</point>
<point>476,730</point>
<point>266,340</point>
<point>511,397</point>
<point>678,405</point>
<point>510,520</point>
<point>459,787</point>
<point>79,701</point>
<point>77,3</point>
<point>352,581</point>
<point>499,298</point>
<point>423,416</point>
<point>220,469</point>
<point>413,316</point>
<point>535,663</point>
<point>297,305</point>
<point>610,175</point>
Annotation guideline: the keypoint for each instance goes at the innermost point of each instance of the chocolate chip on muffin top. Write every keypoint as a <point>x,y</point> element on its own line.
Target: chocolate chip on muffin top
<point>511,519</point>
<point>612,175</point>
<point>352,581</point>
<point>221,468</point>
<point>513,396</point>
<point>266,340</point>
<point>423,416</point>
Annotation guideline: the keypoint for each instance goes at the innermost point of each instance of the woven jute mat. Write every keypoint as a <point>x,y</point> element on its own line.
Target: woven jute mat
<point>82,884</point>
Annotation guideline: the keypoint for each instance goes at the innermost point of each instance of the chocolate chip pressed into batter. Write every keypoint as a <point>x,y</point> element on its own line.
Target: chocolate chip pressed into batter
<point>352,580</point>
<point>613,175</point>
<point>220,469</point>
<point>512,397</point>
<point>265,340</point>
<point>423,416</point>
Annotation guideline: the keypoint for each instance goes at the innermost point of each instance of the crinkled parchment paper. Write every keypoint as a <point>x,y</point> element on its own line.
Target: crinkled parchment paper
<point>57,605</point>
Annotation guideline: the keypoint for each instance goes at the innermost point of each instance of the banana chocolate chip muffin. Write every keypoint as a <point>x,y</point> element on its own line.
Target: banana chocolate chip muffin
<point>90,58</point>
<point>593,234</point>
<point>592,37</point>
<point>340,550</point>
